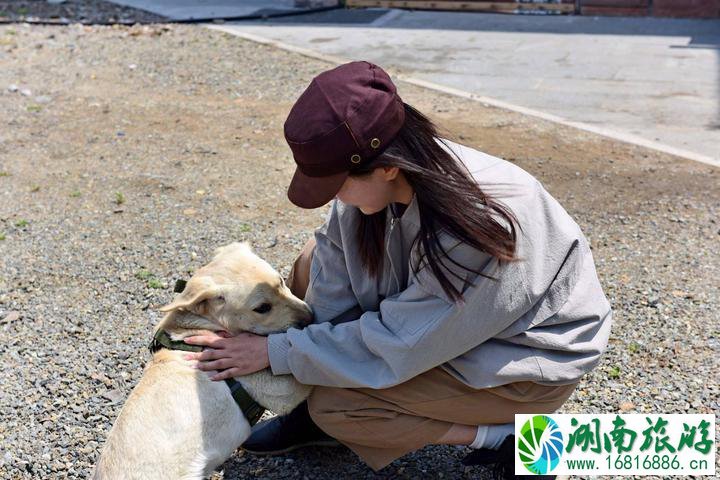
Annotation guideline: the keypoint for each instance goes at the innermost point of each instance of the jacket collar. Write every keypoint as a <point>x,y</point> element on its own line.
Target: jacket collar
<point>411,215</point>
<point>402,231</point>
<point>409,225</point>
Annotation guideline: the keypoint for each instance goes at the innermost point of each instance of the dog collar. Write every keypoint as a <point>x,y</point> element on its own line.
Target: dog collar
<point>250,408</point>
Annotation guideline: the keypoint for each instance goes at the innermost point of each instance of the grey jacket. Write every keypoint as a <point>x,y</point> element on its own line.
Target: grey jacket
<point>546,319</point>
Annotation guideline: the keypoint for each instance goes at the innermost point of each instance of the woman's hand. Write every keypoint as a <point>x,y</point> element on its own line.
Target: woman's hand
<point>242,354</point>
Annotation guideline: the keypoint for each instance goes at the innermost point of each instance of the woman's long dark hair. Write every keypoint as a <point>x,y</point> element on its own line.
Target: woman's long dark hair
<point>447,197</point>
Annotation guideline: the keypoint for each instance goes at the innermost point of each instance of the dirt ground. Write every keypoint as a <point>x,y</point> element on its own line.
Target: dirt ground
<point>128,154</point>
<point>73,11</point>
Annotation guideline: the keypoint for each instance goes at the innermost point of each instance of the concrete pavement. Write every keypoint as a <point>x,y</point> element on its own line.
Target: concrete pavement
<point>191,9</point>
<point>649,81</point>
<point>646,80</point>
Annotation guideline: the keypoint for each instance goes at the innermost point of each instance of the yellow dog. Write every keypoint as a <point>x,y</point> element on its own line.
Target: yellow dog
<point>179,424</point>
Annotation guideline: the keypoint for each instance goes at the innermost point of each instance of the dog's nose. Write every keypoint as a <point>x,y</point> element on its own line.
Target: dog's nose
<point>304,321</point>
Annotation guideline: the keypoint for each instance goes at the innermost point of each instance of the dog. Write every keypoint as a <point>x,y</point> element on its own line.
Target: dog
<point>176,422</point>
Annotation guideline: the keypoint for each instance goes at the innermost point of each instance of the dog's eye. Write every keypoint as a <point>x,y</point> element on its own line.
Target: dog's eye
<point>216,301</point>
<point>264,308</point>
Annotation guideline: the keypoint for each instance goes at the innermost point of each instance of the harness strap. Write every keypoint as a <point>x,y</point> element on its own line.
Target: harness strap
<point>250,408</point>
<point>162,339</point>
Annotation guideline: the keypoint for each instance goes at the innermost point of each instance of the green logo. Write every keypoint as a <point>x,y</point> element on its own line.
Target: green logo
<point>540,444</point>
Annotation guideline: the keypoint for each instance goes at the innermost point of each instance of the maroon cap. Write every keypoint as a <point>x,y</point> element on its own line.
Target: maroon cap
<point>344,118</point>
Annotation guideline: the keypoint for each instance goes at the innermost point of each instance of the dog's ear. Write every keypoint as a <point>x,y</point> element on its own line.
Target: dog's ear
<point>193,294</point>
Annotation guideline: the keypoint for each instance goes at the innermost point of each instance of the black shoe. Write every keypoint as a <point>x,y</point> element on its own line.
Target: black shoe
<point>502,461</point>
<point>283,434</point>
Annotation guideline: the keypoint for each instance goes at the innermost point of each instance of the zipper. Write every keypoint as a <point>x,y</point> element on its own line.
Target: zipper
<point>387,248</point>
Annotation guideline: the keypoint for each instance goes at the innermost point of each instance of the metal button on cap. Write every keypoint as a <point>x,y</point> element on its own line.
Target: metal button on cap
<point>375,142</point>
<point>355,158</point>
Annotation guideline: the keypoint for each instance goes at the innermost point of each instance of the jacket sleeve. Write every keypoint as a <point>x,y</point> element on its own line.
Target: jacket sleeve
<point>413,331</point>
<point>329,293</point>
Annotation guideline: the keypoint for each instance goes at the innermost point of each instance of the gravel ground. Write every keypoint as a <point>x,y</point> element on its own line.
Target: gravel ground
<point>81,11</point>
<point>128,154</point>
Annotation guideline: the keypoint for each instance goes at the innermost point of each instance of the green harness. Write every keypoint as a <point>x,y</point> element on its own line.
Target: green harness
<point>250,408</point>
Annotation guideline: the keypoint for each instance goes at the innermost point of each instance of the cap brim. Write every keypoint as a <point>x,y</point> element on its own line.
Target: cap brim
<point>313,192</point>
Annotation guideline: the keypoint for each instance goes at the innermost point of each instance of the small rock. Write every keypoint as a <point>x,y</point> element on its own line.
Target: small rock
<point>272,243</point>
<point>114,396</point>
<point>10,317</point>
<point>13,88</point>
<point>26,92</point>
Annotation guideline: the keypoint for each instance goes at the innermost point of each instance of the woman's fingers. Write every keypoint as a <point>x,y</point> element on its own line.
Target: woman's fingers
<point>206,340</point>
<point>221,364</point>
<point>207,354</point>
<point>228,373</point>
<point>229,357</point>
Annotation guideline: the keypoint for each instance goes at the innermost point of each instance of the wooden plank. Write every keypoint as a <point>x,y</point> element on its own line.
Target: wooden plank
<point>544,2</point>
<point>686,8</point>
<point>480,6</point>
<point>615,11</point>
<point>614,3</point>
<point>548,2</point>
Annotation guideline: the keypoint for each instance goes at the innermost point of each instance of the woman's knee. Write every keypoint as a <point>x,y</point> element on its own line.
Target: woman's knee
<point>323,409</point>
<point>299,277</point>
<point>332,407</point>
<point>323,402</point>
<point>316,401</point>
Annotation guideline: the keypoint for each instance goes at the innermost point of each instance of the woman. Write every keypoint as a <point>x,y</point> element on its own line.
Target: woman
<point>450,291</point>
